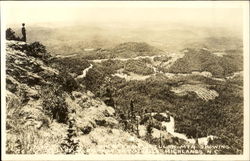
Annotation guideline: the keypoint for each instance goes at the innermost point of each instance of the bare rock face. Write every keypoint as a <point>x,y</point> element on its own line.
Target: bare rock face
<point>25,75</point>
<point>34,115</point>
<point>26,121</point>
<point>90,113</point>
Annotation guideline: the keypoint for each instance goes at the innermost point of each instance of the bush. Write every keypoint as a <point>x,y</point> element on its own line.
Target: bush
<point>54,103</point>
<point>67,81</point>
<point>36,49</point>
<point>10,35</point>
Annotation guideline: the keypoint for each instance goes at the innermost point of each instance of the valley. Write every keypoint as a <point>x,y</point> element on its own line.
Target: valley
<point>144,99</point>
<point>143,78</point>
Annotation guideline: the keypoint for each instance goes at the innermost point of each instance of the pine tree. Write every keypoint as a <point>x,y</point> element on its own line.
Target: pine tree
<point>70,145</point>
<point>149,128</point>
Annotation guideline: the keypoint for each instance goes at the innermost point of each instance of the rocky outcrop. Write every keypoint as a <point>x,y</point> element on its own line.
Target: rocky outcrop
<point>90,112</point>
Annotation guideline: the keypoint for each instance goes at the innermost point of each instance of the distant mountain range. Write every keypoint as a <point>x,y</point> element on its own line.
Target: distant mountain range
<point>170,37</point>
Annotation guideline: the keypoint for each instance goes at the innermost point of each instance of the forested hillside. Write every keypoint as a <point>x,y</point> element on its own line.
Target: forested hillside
<point>205,60</point>
<point>201,90</point>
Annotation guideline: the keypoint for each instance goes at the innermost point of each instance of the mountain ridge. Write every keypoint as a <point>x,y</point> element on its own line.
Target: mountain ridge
<point>38,110</point>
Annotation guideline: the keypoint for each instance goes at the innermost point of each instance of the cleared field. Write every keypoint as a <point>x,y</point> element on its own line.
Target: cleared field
<point>201,91</point>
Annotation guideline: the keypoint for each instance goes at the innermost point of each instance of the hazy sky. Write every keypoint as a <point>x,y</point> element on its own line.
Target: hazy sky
<point>212,14</point>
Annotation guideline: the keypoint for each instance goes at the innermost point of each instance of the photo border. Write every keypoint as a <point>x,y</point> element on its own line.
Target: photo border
<point>171,4</point>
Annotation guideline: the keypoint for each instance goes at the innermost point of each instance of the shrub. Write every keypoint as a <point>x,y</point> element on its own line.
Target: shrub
<point>54,103</point>
<point>36,49</point>
<point>67,81</point>
<point>10,35</point>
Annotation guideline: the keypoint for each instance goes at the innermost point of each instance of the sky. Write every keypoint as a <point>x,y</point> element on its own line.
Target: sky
<point>64,13</point>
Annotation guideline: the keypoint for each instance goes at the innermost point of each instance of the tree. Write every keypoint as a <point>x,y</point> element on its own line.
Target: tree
<point>70,145</point>
<point>67,82</point>
<point>149,128</point>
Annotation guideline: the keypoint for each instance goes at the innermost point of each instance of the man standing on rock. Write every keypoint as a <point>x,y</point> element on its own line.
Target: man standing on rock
<point>24,32</point>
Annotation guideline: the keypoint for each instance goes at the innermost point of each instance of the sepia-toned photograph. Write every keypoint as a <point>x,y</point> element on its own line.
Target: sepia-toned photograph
<point>157,79</point>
